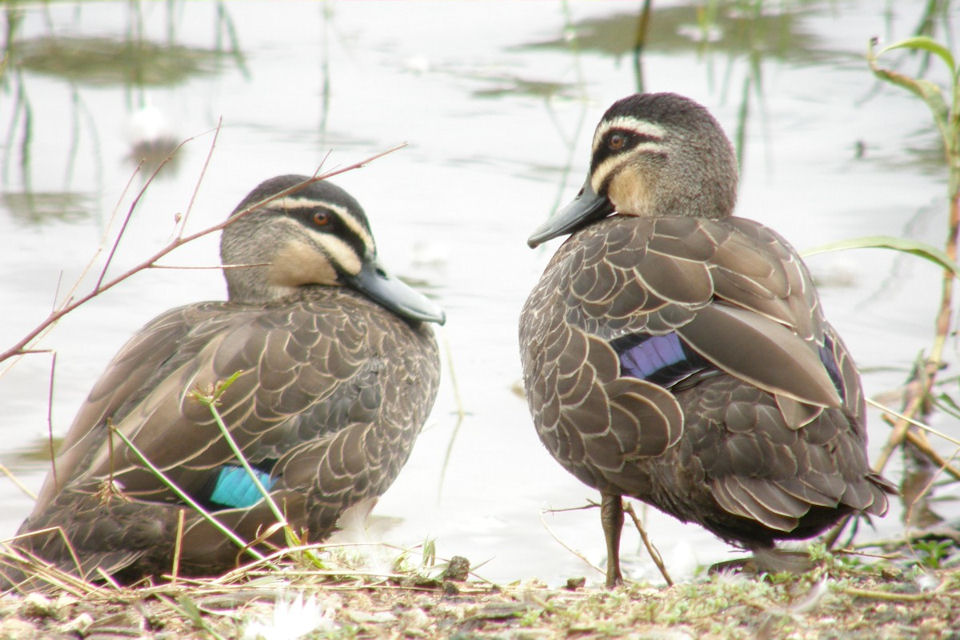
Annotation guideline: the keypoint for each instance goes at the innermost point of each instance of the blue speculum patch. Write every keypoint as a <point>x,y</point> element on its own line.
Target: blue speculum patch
<point>833,368</point>
<point>235,488</point>
<point>662,360</point>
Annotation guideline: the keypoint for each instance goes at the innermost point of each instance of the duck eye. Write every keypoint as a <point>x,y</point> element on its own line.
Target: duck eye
<point>321,218</point>
<point>616,142</point>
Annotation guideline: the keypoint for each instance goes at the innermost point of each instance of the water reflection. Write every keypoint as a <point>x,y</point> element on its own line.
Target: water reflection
<point>515,85</point>
<point>757,31</point>
<point>32,456</point>
<point>34,207</point>
<point>153,143</point>
<point>778,32</point>
<point>128,59</point>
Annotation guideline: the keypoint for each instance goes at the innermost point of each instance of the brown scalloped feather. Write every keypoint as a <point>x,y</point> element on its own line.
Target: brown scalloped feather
<point>320,393</point>
<point>761,446</point>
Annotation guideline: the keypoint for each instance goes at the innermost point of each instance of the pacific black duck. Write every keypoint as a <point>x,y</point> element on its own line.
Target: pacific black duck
<point>677,354</point>
<point>339,371</point>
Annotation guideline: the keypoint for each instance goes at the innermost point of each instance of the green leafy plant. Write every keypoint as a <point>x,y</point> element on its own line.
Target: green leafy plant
<point>932,553</point>
<point>944,107</point>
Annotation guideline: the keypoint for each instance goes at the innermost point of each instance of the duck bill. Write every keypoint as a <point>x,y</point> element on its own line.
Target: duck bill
<point>376,283</point>
<point>587,207</point>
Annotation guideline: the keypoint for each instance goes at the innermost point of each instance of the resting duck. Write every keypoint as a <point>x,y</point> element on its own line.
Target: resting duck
<point>339,371</point>
<point>677,354</point>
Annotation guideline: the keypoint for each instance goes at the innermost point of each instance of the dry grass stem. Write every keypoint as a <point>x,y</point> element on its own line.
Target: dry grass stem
<point>16,481</point>
<point>461,414</point>
<point>651,549</point>
<point>564,544</point>
<point>177,547</point>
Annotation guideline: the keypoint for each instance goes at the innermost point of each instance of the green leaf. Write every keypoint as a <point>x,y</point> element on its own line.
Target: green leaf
<point>903,245</point>
<point>190,609</point>
<point>929,92</point>
<point>924,43</point>
<point>947,404</point>
<point>429,557</point>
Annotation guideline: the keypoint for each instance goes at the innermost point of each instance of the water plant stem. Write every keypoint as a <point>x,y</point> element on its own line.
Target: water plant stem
<point>226,531</point>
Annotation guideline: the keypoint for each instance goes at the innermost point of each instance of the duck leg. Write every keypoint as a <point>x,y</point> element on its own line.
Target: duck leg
<point>611,516</point>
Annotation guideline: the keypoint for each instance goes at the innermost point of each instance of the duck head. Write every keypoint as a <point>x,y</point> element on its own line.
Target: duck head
<point>315,235</point>
<point>657,154</point>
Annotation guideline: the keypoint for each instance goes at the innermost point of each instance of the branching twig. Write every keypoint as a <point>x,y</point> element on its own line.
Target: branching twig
<point>20,347</point>
<point>203,173</point>
<point>136,201</point>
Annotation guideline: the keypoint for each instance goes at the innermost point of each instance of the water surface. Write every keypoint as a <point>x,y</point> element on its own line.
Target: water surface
<point>496,102</point>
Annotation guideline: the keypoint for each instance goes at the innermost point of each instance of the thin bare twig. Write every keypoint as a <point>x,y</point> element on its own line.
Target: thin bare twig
<point>136,201</point>
<point>566,546</point>
<point>922,444</point>
<point>652,550</point>
<point>203,173</point>
<point>50,444</point>
<point>461,413</point>
<point>19,347</point>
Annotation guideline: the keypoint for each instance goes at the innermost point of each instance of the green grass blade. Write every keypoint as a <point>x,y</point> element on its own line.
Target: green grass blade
<point>903,245</point>
<point>190,501</point>
<point>927,91</point>
<point>210,401</point>
<point>924,43</point>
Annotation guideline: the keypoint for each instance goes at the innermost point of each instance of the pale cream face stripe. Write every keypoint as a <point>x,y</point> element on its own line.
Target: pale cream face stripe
<point>292,202</point>
<point>339,251</point>
<point>296,255</point>
<point>358,229</point>
<point>614,162</point>
<point>629,123</point>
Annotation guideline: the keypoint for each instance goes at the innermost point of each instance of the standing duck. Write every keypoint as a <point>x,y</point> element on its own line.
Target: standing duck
<point>338,372</point>
<point>677,354</point>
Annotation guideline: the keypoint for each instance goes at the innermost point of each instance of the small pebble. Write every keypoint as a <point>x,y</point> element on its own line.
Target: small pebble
<point>415,622</point>
<point>576,583</point>
<point>15,628</point>
<point>458,569</point>
<point>78,625</point>
<point>37,605</point>
<point>376,617</point>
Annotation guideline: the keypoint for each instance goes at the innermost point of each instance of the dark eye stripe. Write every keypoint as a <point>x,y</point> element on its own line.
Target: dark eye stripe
<point>631,139</point>
<point>335,226</point>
